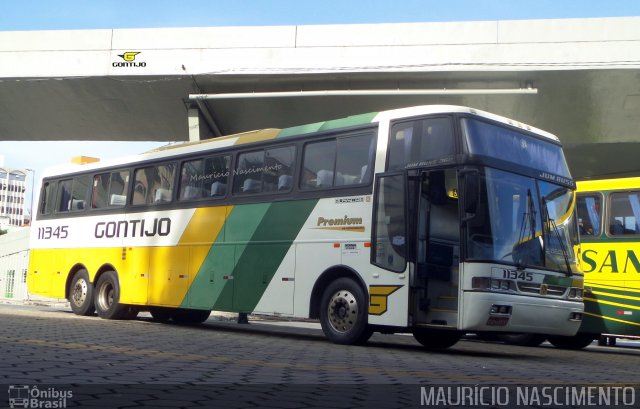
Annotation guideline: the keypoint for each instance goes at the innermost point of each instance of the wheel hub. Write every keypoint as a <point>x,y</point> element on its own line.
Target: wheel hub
<point>79,294</point>
<point>343,311</point>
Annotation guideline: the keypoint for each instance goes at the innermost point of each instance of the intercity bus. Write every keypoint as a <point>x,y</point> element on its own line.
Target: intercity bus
<point>609,225</point>
<point>434,220</point>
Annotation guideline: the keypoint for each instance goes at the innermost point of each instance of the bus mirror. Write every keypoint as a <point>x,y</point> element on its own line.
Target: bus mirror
<point>471,191</point>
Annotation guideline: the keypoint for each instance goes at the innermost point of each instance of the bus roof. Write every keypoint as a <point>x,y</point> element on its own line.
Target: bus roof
<point>608,184</point>
<point>272,133</point>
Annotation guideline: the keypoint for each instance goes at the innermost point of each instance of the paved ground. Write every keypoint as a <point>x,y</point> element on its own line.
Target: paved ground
<point>142,363</point>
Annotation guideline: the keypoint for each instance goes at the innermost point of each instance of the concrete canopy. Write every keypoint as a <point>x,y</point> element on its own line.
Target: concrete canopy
<point>91,84</point>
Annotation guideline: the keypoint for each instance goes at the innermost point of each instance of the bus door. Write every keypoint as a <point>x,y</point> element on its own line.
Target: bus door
<point>437,246</point>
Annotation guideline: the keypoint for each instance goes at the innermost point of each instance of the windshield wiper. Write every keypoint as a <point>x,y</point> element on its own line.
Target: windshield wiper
<point>552,223</point>
<point>528,219</point>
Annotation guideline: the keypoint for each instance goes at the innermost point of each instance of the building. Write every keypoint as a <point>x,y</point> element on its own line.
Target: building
<point>13,188</point>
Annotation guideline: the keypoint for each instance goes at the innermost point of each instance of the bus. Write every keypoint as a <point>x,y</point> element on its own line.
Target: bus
<point>432,220</point>
<point>609,226</point>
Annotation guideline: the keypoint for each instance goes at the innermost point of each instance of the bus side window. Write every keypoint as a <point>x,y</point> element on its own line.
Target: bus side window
<point>248,175</point>
<point>589,207</point>
<point>278,169</point>
<point>355,157</point>
<point>118,188</point>
<point>64,195</point>
<point>318,165</point>
<point>47,201</point>
<point>80,188</point>
<point>100,191</point>
<point>420,141</point>
<point>624,213</point>
<point>153,184</point>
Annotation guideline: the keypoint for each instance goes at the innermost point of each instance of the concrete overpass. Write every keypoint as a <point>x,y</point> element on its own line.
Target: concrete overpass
<point>577,78</point>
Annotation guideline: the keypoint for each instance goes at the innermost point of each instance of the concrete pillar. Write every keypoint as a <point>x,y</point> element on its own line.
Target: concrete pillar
<point>193,116</point>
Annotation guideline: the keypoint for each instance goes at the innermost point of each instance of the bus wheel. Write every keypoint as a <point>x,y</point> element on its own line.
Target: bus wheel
<point>577,341</point>
<point>107,296</point>
<point>436,339</point>
<point>188,316</point>
<point>343,313</point>
<point>81,294</point>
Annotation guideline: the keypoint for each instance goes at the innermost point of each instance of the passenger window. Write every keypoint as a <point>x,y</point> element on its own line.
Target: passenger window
<point>278,169</point>
<point>420,143</point>
<point>110,189</point>
<point>355,154</point>
<point>153,184</point>
<point>100,192</point>
<point>203,178</point>
<point>269,170</point>
<point>318,165</point>
<point>624,213</point>
<point>119,188</point>
<point>338,162</point>
<point>589,207</point>
<point>248,175</point>
<point>64,195</point>
<point>72,193</point>
<point>47,201</point>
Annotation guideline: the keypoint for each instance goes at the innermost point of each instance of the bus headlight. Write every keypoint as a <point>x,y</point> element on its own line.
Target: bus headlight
<point>576,293</point>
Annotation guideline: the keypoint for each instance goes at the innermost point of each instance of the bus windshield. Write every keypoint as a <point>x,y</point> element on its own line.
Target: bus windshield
<point>523,222</point>
<point>486,139</point>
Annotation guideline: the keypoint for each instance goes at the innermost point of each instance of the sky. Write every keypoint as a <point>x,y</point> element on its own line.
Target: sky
<point>106,14</point>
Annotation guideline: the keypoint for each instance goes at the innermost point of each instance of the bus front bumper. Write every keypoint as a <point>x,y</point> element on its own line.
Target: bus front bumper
<point>497,312</point>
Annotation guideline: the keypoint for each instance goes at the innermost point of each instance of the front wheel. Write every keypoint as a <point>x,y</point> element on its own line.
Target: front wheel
<point>436,339</point>
<point>343,313</point>
<point>577,341</point>
<point>107,298</point>
<point>81,294</point>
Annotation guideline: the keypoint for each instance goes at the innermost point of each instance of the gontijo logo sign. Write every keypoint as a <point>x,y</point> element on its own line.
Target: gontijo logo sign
<point>129,58</point>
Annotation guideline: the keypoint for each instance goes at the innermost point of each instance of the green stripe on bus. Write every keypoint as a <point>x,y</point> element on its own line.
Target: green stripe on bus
<point>354,120</point>
<point>216,271</point>
<point>601,318</point>
<point>258,262</point>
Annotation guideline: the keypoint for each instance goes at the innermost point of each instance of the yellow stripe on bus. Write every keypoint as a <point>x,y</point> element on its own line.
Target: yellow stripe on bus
<point>612,319</point>
<point>598,284</point>
<point>616,304</point>
<point>626,297</point>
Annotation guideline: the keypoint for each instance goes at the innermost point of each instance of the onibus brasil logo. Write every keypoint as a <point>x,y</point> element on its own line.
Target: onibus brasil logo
<point>129,58</point>
<point>25,396</point>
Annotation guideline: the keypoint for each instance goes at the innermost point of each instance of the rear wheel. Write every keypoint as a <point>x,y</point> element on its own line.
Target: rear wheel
<point>107,298</point>
<point>436,339</point>
<point>577,341</point>
<point>343,313</point>
<point>81,294</point>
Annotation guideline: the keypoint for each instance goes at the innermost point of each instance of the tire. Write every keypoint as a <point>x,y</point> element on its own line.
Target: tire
<point>436,339</point>
<point>343,313</point>
<point>81,294</point>
<point>107,297</point>
<point>577,341</point>
<point>525,340</point>
<point>188,316</point>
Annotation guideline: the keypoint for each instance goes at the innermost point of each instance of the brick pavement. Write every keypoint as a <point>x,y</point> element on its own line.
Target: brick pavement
<point>186,365</point>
